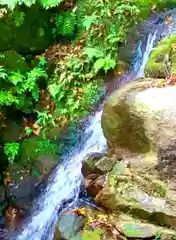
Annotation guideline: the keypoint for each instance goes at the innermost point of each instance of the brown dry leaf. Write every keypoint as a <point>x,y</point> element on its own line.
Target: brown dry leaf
<point>168,20</point>
<point>153,7</point>
<point>174,46</point>
<point>102,217</point>
<point>62,76</point>
<point>128,172</point>
<point>36,132</point>
<point>3,11</point>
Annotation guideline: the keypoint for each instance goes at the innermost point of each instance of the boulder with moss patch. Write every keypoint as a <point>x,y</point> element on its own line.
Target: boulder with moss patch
<point>144,196</point>
<point>140,118</point>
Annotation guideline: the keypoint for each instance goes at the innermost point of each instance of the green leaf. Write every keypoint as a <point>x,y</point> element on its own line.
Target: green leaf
<point>88,20</point>
<point>35,93</point>
<point>28,131</point>
<point>36,173</point>
<point>15,78</point>
<point>109,63</point>
<point>99,64</point>
<point>54,89</point>
<point>93,52</point>
<point>11,150</point>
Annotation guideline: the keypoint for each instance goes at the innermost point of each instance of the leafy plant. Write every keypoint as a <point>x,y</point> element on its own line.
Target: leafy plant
<point>65,23</point>
<point>44,3</point>
<point>18,18</point>
<point>158,236</point>
<point>3,73</point>
<point>46,147</point>
<point>44,118</point>
<point>104,63</point>
<point>28,130</point>
<point>11,150</point>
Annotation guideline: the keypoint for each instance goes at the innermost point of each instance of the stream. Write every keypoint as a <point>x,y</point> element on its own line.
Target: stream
<point>64,183</point>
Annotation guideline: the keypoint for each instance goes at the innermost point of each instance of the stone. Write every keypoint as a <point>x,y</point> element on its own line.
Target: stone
<point>135,228</point>
<point>96,163</point>
<point>28,183</point>
<point>94,184</point>
<point>68,225</point>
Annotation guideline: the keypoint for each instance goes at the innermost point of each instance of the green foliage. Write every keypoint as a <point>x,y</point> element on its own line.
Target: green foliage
<point>18,18</point>
<point>73,95</point>
<point>89,235</point>
<point>11,4</point>
<point>22,88</point>
<point>3,74</point>
<point>46,147</point>
<point>11,150</point>
<point>28,131</point>
<point>158,236</point>
<point>104,63</point>
<point>21,91</point>
<point>50,3</point>
<point>44,118</point>
<point>65,23</point>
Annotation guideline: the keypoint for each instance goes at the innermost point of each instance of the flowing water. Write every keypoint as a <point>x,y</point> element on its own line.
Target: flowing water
<point>64,183</point>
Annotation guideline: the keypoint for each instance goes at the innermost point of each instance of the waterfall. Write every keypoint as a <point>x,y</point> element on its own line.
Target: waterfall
<point>149,48</point>
<point>65,181</point>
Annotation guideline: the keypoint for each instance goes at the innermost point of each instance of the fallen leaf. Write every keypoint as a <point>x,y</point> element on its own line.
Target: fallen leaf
<point>168,20</point>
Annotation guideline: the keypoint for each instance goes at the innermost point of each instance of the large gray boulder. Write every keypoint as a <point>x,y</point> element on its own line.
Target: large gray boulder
<point>141,117</point>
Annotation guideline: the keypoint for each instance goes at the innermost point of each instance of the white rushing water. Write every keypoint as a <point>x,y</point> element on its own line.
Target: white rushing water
<point>65,181</point>
<point>149,48</point>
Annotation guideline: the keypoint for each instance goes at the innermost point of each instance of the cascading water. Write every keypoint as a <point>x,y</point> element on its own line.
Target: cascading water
<point>65,182</point>
<point>149,48</point>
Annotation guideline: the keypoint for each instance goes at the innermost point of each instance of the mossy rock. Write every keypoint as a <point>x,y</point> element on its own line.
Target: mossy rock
<point>34,35</point>
<point>132,192</point>
<point>162,61</point>
<point>13,61</point>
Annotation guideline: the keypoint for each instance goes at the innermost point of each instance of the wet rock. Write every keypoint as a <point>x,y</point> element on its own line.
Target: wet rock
<point>13,218</point>
<point>97,163</point>
<point>27,184</point>
<point>94,184</point>
<point>68,225</point>
<point>136,229</point>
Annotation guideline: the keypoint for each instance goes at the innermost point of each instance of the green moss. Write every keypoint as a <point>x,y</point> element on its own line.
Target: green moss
<point>160,63</point>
